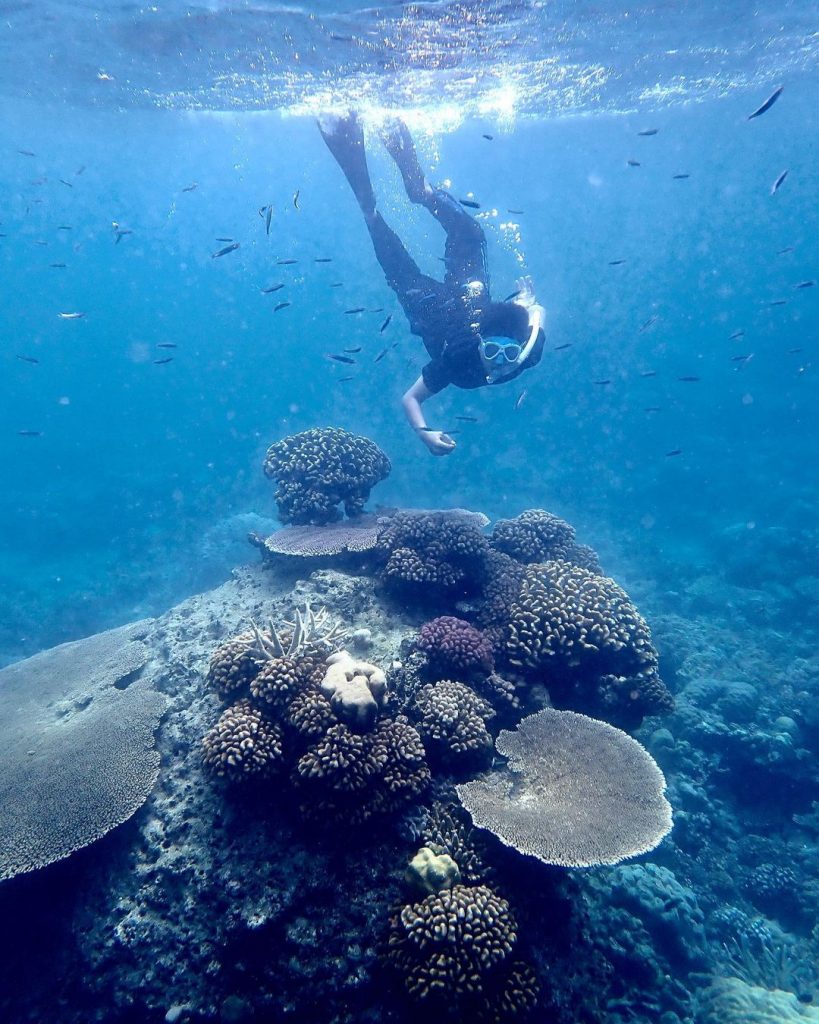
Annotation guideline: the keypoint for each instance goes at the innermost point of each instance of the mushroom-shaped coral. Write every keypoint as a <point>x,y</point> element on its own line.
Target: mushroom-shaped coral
<point>244,742</point>
<point>582,631</point>
<point>452,721</point>
<point>452,950</point>
<point>539,536</point>
<point>454,647</point>
<point>576,792</point>
<point>356,690</point>
<point>319,469</point>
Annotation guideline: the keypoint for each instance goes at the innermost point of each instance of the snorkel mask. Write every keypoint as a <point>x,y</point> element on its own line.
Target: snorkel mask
<point>503,355</point>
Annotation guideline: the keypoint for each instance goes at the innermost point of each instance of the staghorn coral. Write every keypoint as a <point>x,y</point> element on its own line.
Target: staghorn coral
<point>431,556</point>
<point>452,952</point>
<point>576,792</point>
<point>582,631</point>
<point>244,742</point>
<point>454,647</point>
<point>77,756</point>
<point>452,721</point>
<point>319,469</point>
<point>539,536</point>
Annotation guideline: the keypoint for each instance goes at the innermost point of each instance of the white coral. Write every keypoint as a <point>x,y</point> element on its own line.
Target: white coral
<point>356,690</point>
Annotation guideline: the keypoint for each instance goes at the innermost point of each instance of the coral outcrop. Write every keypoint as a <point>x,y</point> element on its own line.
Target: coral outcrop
<point>244,742</point>
<point>539,536</point>
<point>453,647</point>
<point>320,469</point>
<point>452,721</point>
<point>356,690</point>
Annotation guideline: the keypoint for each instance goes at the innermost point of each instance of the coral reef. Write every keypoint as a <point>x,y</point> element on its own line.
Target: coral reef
<point>452,951</point>
<point>77,756</point>
<point>316,542</point>
<point>452,721</point>
<point>594,648</point>
<point>453,647</point>
<point>244,742</point>
<point>356,690</point>
<point>538,536</point>
<point>430,872</point>
<point>577,792</point>
<point>732,1001</point>
<point>430,556</point>
<point>319,469</point>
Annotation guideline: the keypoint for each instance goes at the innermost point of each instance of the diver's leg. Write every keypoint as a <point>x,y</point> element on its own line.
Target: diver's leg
<point>465,252</point>
<point>345,140</point>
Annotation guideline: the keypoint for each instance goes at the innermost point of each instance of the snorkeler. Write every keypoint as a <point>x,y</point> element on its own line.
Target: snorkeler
<point>472,341</point>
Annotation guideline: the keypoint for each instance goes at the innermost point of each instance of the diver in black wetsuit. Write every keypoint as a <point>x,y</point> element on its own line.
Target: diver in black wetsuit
<point>472,341</point>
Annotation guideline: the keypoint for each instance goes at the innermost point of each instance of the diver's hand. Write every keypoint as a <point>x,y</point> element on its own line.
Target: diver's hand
<point>438,442</point>
<point>526,292</point>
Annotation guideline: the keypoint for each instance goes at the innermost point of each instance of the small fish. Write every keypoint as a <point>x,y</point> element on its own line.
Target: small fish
<point>778,182</point>
<point>268,217</point>
<point>675,901</point>
<point>387,322</point>
<point>285,263</point>
<point>296,198</point>
<point>26,152</point>
<point>769,102</point>
<point>606,380</point>
<point>28,359</point>
<point>488,138</point>
<point>58,266</point>
<point>428,430</point>
<point>377,309</point>
<point>71,316</point>
<point>66,183</point>
<point>559,348</point>
<point>690,379</point>
<point>648,132</point>
<point>355,309</point>
<point>742,359</point>
<point>520,399</point>
<point>616,263</point>
<point>513,295</point>
<point>64,227</point>
<point>649,323</point>
<point>30,433</point>
<point>161,362</point>
<point>652,408</point>
<point>517,213</point>
<point>340,359</point>
<point>323,259</point>
<point>120,233</point>
<point>337,284</point>
<point>805,284</point>
<point>793,351</point>
<point>40,242</point>
<point>353,351</point>
<point>737,334</point>
<point>680,177</point>
<point>470,204</point>
<point>272,288</point>
<point>674,451</point>
<point>280,305</point>
<point>342,380</point>
<point>634,163</point>
<point>778,302</point>
<point>781,252</point>
<point>79,170</point>
<point>166,344</point>
<point>225,250</point>
<point>467,419</point>
<point>381,355</point>
<point>223,239</point>
<point>192,187</point>
<point>649,373</point>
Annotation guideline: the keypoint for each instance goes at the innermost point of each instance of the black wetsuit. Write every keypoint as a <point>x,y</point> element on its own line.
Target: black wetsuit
<point>449,317</point>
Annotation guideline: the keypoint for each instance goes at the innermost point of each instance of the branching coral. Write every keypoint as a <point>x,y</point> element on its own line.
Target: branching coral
<point>319,469</point>
<point>454,647</point>
<point>582,631</point>
<point>539,536</point>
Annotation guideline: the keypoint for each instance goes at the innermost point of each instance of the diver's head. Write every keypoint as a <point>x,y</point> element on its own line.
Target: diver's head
<point>502,356</point>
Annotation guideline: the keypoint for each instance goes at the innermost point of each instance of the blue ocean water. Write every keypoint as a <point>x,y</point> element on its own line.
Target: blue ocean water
<point>672,420</point>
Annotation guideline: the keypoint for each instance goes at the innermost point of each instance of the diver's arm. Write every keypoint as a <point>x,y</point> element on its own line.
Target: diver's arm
<point>412,402</point>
